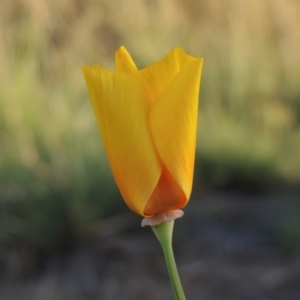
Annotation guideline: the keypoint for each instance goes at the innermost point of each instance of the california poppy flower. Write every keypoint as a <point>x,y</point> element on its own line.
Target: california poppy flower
<point>148,121</point>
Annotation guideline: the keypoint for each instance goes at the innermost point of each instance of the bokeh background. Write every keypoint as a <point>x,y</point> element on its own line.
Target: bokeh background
<point>65,232</point>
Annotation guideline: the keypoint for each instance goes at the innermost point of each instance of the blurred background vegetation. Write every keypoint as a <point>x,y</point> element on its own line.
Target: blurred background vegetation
<point>55,182</point>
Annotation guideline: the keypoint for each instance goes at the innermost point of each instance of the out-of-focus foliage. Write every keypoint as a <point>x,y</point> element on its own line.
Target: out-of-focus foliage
<point>53,170</point>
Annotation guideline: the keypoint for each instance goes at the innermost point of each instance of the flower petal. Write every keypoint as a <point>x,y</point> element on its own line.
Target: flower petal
<point>122,114</point>
<point>173,124</point>
<point>124,62</point>
<point>157,77</point>
<point>167,195</point>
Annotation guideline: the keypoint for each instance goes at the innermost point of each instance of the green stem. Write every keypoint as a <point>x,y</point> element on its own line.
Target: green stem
<point>163,232</point>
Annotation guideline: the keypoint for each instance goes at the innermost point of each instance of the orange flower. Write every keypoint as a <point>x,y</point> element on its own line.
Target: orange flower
<point>148,121</point>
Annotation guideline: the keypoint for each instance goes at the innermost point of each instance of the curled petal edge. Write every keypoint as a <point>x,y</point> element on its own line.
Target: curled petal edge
<point>163,217</point>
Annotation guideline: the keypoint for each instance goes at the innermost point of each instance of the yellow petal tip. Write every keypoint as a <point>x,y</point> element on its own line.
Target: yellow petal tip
<point>124,62</point>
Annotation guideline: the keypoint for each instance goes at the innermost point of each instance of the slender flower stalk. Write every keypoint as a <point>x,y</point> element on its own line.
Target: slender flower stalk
<point>163,232</point>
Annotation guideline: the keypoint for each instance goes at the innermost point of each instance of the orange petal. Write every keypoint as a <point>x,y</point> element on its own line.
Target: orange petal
<point>173,124</point>
<point>166,196</point>
<point>122,112</point>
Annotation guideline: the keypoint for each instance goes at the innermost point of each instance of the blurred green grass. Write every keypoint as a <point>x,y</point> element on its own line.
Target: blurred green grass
<point>54,177</point>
